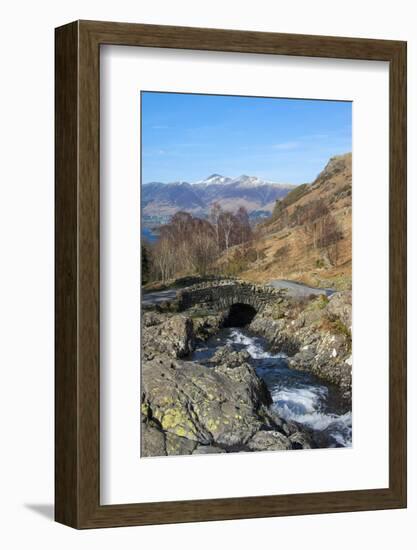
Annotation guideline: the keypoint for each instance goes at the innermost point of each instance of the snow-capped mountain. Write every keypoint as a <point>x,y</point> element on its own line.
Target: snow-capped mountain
<point>241,181</point>
<point>258,196</point>
<point>251,181</point>
<point>214,179</point>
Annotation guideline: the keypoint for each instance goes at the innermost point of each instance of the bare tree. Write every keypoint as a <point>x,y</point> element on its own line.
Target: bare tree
<point>186,245</point>
<point>226,222</point>
<point>243,228</point>
<point>330,235</point>
<point>256,240</point>
<point>203,252</point>
<point>163,260</point>
<point>214,216</point>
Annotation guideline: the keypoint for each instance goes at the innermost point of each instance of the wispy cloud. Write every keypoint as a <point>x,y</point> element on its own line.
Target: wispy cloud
<point>286,145</point>
<point>159,127</point>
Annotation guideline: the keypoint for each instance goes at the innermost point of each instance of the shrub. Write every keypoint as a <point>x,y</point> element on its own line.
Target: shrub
<point>250,255</point>
<point>284,236</point>
<point>235,265</point>
<point>282,252</point>
<point>336,325</point>
<point>295,195</point>
<point>341,328</point>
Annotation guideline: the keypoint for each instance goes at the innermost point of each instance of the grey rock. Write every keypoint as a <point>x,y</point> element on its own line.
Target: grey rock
<point>206,324</point>
<point>173,336</point>
<point>176,445</point>
<point>207,450</point>
<point>230,358</point>
<point>153,439</point>
<point>340,305</point>
<point>269,441</point>
<point>151,318</point>
<point>300,440</point>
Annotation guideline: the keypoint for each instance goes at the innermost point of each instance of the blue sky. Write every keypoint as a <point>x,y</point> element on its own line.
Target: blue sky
<point>189,137</point>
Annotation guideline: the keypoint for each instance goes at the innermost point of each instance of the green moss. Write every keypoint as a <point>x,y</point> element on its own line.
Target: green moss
<point>340,282</point>
<point>341,328</point>
<point>200,313</point>
<point>278,311</point>
<point>318,304</point>
<point>337,326</point>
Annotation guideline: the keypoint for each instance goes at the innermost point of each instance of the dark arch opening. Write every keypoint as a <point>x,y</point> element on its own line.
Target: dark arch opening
<point>239,315</point>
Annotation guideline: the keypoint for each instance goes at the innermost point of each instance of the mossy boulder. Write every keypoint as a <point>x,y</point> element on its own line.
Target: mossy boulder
<point>218,405</point>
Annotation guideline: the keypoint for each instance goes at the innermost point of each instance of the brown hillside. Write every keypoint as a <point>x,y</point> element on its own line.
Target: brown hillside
<point>309,235</point>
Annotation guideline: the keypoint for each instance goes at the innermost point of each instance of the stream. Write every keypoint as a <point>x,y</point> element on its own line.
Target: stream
<point>297,396</point>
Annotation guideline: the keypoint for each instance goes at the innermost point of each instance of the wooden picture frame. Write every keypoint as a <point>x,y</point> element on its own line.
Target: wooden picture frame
<point>77,382</point>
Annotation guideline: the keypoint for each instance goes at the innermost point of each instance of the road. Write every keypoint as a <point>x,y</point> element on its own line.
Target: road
<point>152,298</point>
<point>299,290</point>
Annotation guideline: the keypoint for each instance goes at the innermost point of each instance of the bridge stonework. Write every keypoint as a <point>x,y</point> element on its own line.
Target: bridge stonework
<point>221,295</point>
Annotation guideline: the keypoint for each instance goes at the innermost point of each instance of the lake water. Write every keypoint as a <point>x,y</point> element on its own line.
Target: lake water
<point>148,234</point>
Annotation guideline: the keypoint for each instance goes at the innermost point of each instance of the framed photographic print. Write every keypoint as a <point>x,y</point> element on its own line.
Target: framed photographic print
<point>230,274</point>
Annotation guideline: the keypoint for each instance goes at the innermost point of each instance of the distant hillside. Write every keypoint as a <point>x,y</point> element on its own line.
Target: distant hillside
<point>309,234</point>
<point>258,196</point>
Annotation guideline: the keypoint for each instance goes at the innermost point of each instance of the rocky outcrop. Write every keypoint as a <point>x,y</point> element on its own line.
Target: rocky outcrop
<point>206,324</point>
<point>206,405</point>
<point>175,335</point>
<point>315,334</point>
<point>171,335</point>
<point>230,358</point>
<point>340,305</point>
<point>188,408</point>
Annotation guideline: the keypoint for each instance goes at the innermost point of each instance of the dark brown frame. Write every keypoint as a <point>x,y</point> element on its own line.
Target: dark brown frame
<point>77,274</point>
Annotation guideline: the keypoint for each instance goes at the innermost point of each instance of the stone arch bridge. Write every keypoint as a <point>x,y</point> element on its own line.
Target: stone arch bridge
<point>223,294</point>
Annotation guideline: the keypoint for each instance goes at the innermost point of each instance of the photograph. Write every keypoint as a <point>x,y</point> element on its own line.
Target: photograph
<point>246,268</point>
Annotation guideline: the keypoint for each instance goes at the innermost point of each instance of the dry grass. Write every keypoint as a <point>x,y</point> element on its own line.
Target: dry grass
<point>289,252</point>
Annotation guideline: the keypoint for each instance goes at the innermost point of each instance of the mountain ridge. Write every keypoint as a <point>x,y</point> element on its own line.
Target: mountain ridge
<point>257,195</point>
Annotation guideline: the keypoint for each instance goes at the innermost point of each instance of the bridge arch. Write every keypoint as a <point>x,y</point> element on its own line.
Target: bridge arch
<point>239,315</point>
